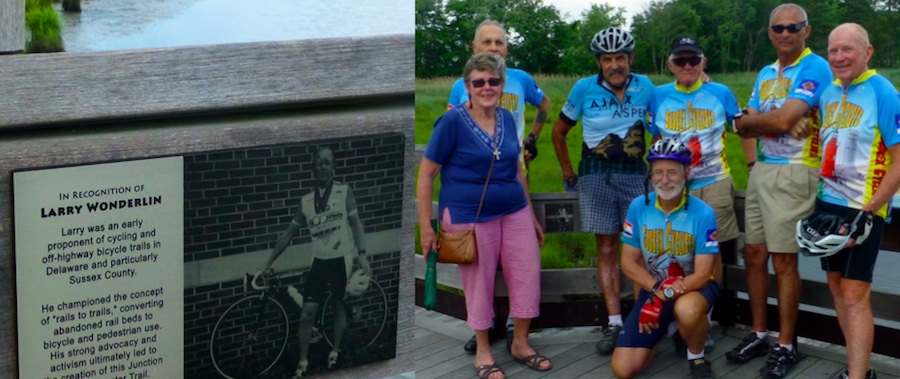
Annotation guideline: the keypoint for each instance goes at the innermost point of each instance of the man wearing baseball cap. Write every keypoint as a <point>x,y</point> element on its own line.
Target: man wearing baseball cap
<point>697,113</point>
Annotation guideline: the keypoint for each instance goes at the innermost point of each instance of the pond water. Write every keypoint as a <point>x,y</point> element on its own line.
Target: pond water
<point>129,24</point>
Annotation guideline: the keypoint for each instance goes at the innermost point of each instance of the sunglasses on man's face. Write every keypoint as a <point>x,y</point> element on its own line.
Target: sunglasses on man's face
<point>693,61</point>
<point>791,28</point>
<point>493,82</point>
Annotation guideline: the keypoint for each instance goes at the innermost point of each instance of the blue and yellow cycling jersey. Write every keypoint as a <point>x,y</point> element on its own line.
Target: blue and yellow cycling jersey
<point>697,116</point>
<point>685,232</point>
<point>805,80</point>
<point>857,127</point>
<point>613,131</point>
<point>519,89</point>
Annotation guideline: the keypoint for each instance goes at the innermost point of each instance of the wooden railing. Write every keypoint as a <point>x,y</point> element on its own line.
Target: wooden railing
<point>78,109</point>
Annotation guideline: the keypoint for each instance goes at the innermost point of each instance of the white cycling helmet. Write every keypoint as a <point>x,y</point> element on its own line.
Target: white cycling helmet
<point>824,234</point>
<point>358,283</point>
<point>612,40</point>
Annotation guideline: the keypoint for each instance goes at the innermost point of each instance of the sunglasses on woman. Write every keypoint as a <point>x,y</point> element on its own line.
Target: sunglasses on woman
<point>493,82</point>
<point>693,61</point>
<point>791,28</point>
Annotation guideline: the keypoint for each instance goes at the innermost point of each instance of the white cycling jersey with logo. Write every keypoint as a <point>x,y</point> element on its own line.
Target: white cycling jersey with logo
<point>330,229</point>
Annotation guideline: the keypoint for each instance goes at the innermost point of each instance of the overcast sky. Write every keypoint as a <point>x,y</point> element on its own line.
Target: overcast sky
<point>571,9</point>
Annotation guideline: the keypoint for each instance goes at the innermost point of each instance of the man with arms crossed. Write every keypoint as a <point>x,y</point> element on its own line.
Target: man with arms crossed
<point>612,106</point>
<point>860,133</point>
<point>330,213</point>
<point>782,185</point>
<point>520,88</point>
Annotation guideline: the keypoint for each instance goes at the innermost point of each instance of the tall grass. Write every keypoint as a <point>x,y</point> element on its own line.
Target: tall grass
<point>577,250</point>
<point>44,29</point>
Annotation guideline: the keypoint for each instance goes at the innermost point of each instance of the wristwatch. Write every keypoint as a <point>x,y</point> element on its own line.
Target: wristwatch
<point>572,181</point>
<point>734,121</point>
<point>669,293</point>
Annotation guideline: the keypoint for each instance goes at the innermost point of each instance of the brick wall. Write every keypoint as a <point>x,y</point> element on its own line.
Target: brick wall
<point>238,202</point>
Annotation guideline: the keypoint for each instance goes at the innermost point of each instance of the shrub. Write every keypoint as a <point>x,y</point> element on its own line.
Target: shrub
<point>45,35</point>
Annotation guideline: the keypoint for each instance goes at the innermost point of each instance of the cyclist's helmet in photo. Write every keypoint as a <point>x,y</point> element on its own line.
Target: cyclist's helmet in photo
<point>824,234</point>
<point>612,40</point>
<point>671,149</point>
<point>358,283</point>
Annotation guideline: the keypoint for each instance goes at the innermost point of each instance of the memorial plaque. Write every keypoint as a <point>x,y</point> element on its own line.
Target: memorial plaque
<point>99,270</point>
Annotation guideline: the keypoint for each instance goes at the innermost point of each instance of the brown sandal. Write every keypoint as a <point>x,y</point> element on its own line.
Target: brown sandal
<point>534,362</point>
<point>485,371</point>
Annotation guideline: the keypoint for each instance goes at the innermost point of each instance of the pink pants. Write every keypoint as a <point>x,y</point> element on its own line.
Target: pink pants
<point>511,240</point>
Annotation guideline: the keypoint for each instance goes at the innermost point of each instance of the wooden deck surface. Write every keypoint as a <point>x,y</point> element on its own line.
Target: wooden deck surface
<point>439,339</point>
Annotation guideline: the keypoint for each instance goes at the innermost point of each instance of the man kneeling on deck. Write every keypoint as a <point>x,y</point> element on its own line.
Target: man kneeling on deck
<point>674,233</point>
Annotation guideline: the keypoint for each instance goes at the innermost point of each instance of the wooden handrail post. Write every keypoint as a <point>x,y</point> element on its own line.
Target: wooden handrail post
<point>12,26</point>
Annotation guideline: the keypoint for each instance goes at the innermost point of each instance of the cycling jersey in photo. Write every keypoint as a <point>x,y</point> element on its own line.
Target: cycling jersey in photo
<point>857,127</point>
<point>326,213</point>
<point>613,131</point>
<point>805,80</point>
<point>519,89</point>
<point>697,116</point>
<point>464,152</point>
<point>686,232</point>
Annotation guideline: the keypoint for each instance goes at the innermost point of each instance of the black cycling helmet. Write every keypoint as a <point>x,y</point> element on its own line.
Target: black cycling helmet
<point>824,234</point>
<point>612,40</point>
<point>672,149</point>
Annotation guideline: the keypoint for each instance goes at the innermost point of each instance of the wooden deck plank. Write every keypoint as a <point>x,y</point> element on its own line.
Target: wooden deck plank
<point>436,345</point>
<point>586,364</point>
<point>822,368</point>
<point>573,356</point>
<point>561,362</point>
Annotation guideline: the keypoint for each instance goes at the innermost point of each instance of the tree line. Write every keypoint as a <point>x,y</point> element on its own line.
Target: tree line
<point>733,32</point>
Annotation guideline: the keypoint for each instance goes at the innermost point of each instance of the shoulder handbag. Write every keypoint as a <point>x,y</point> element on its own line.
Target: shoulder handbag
<point>460,247</point>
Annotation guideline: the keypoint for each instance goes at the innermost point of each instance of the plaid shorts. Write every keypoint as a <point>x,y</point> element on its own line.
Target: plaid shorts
<point>603,200</point>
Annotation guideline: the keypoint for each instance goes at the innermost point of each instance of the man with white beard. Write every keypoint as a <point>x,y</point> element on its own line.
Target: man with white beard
<point>668,248</point>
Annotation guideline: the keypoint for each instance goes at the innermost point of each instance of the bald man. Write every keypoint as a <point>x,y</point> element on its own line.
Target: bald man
<point>860,112</point>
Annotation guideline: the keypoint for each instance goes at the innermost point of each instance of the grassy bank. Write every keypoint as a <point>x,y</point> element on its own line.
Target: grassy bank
<point>576,250</point>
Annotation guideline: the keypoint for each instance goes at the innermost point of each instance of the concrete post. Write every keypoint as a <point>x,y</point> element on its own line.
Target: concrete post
<point>12,26</point>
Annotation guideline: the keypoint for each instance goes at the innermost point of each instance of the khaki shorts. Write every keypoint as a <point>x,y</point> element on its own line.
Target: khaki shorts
<point>777,196</point>
<point>720,197</point>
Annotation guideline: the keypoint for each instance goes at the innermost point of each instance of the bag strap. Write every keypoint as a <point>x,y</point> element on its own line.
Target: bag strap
<point>486,182</point>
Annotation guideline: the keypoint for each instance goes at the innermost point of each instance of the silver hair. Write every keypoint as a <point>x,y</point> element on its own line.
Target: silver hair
<point>485,62</point>
<point>861,33</point>
<point>485,23</point>
<point>788,6</point>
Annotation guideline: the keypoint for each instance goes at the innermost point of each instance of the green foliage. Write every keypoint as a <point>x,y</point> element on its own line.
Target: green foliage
<point>577,55</point>
<point>44,29</point>
<point>734,33</point>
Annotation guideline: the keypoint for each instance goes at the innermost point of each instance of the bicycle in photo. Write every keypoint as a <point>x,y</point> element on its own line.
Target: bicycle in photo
<point>251,336</point>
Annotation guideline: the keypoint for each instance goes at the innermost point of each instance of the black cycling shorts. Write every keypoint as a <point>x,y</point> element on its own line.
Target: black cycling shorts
<point>325,275</point>
<point>857,262</point>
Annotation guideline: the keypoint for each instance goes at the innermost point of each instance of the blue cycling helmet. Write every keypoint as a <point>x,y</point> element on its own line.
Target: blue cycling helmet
<point>672,149</point>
